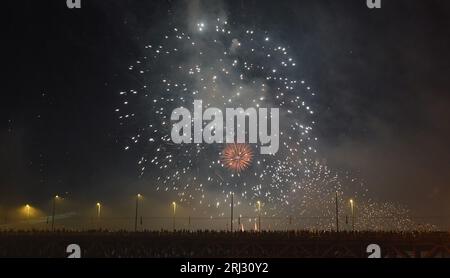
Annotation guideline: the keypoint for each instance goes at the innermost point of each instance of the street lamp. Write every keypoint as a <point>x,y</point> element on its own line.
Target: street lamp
<point>53,211</point>
<point>259,215</point>
<point>174,212</point>
<point>138,196</point>
<point>99,207</point>
<point>352,207</point>
<point>27,207</point>
<point>232,206</point>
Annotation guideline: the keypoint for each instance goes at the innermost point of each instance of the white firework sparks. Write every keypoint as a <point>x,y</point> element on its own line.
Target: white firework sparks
<point>227,66</point>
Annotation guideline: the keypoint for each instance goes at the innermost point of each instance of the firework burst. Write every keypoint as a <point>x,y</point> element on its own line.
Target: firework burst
<point>230,66</point>
<point>237,157</point>
<point>224,66</point>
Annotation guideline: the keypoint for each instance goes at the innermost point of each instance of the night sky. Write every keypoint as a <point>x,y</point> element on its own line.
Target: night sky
<point>381,78</point>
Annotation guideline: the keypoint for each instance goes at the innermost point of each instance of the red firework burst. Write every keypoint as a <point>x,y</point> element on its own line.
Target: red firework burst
<point>237,157</point>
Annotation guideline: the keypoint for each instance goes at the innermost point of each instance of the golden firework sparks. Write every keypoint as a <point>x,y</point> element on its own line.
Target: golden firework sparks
<point>237,157</point>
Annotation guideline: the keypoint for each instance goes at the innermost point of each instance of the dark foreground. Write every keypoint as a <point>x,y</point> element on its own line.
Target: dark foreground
<point>206,244</point>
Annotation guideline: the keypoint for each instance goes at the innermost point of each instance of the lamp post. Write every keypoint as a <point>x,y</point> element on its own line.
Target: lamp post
<point>174,212</point>
<point>27,207</point>
<point>99,208</point>
<point>232,205</point>
<point>138,196</point>
<point>53,211</point>
<point>259,215</point>
<point>353,214</point>
<point>337,213</point>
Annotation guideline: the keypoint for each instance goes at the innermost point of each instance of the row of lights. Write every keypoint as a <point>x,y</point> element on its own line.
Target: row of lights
<point>98,205</point>
<point>174,205</point>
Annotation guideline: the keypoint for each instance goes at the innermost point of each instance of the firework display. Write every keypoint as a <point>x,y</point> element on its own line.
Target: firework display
<point>224,67</point>
<point>253,133</point>
<point>229,66</point>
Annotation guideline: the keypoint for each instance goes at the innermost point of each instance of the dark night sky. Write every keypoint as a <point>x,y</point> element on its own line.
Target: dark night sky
<point>381,76</point>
